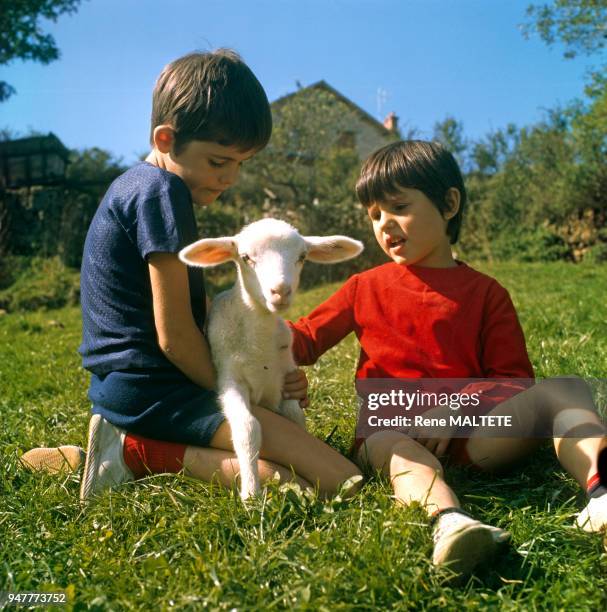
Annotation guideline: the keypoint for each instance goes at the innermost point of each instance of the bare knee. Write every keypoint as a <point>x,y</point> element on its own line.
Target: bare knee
<point>566,391</point>
<point>567,407</point>
<point>385,449</point>
<point>376,450</point>
<point>411,451</point>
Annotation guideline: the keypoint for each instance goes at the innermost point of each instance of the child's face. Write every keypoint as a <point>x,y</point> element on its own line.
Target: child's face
<point>411,230</point>
<point>207,168</point>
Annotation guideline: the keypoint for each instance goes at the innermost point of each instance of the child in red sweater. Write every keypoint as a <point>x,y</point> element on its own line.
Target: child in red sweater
<point>427,315</point>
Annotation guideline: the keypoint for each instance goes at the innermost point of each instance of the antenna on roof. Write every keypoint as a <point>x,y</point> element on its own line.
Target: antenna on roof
<point>382,96</point>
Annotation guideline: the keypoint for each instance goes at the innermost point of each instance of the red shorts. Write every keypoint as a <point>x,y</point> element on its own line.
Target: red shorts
<point>144,456</point>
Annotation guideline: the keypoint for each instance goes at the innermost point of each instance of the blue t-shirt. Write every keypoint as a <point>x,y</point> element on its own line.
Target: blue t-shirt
<point>145,210</point>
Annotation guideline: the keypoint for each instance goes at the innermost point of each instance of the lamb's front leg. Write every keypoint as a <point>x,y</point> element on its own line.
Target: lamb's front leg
<point>246,436</point>
<point>291,409</point>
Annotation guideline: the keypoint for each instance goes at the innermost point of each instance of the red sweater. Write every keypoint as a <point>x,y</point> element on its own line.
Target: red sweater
<point>416,322</point>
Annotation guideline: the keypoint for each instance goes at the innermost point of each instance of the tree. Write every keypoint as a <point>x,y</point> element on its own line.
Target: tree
<point>303,169</point>
<point>581,25</point>
<point>21,35</point>
<point>92,168</point>
<point>489,154</point>
<point>305,130</point>
<point>450,133</point>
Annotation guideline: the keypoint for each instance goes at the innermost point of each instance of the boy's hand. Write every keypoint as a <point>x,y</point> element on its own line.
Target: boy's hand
<point>435,438</point>
<point>296,387</point>
<point>437,446</point>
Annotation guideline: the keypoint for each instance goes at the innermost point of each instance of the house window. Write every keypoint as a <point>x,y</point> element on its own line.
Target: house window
<point>55,167</point>
<point>37,168</point>
<point>17,170</point>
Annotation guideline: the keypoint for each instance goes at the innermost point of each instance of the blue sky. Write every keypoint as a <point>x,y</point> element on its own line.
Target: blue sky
<point>433,58</point>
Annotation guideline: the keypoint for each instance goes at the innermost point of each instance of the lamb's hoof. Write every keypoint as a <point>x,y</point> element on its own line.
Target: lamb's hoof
<point>249,494</point>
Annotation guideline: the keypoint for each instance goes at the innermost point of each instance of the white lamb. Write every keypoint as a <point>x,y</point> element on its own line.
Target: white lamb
<point>250,342</point>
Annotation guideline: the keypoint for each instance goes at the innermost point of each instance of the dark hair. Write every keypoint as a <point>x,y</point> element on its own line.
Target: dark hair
<point>212,96</point>
<point>413,164</point>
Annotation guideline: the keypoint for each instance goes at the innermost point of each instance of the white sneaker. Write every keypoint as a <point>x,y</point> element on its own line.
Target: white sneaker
<point>58,460</point>
<point>105,467</point>
<point>499,535</point>
<point>593,517</point>
<point>461,543</point>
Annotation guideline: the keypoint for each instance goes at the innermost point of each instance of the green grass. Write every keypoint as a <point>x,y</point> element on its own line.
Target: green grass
<point>169,541</point>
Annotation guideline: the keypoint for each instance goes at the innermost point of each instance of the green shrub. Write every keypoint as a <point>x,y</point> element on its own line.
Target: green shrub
<point>11,268</point>
<point>39,283</point>
<point>596,254</point>
<point>530,245</point>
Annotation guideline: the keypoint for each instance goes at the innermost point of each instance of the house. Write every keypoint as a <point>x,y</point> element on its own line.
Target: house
<point>33,161</point>
<point>359,129</point>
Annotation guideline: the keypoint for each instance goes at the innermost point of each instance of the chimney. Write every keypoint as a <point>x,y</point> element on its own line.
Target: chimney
<point>391,122</point>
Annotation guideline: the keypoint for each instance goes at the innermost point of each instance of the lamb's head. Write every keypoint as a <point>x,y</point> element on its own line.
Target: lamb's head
<point>269,255</point>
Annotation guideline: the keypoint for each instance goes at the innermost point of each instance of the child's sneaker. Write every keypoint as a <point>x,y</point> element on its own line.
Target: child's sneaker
<point>105,467</point>
<point>500,536</point>
<point>461,542</point>
<point>593,517</point>
<point>53,460</point>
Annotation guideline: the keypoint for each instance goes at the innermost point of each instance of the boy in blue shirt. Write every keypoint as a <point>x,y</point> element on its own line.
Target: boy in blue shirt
<point>143,312</point>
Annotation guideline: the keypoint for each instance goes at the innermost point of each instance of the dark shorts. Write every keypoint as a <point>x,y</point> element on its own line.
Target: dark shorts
<point>159,405</point>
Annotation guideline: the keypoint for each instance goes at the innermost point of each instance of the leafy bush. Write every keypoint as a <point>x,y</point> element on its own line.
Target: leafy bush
<point>40,283</point>
<point>596,254</point>
<point>11,268</point>
<point>530,244</point>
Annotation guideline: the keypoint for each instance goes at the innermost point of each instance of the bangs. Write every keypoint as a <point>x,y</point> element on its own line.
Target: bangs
<point>413,164</point>
<point>393,168</point>
<point>233,118</point>
<point>231,126</point>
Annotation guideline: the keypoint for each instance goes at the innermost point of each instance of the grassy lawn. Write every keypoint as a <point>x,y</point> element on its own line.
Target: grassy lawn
<point>171,541</point>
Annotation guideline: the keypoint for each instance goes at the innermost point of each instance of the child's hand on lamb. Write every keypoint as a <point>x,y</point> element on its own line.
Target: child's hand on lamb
<point>296,387</point>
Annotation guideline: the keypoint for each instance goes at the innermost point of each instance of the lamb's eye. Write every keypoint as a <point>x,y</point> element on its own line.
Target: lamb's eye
<point>247,259</point>
<point>302,258</point>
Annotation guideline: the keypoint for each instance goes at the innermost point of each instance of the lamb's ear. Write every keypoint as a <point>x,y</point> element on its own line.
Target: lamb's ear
<point>331,249</point>
<point>209,252</point>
